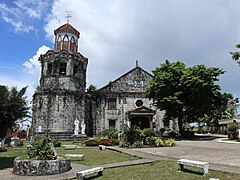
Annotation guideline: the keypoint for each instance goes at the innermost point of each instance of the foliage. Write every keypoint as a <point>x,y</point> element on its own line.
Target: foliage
<point>170,142</point>
<point>188,94</point>
<point>138,144</point>
<point>233,128</point>
<point>13,106</point>
<point>111,133</point>
<point>92,142</point>
<point>115,142</point>
<point>236,55</point>
<point>124,144</point>
<point>151,140</point>
<point>132,134</point>
<point>159,142</point>
<point>148,132</point>
<point>106,142</point>
<point>56,143</point>
<point>20,143</point>
<point>41,149</point>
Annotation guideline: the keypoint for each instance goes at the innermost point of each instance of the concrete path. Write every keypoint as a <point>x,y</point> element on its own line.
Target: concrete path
<point>221,156</point>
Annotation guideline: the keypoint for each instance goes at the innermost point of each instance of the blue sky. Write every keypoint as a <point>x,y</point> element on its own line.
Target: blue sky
<point>116,33</point>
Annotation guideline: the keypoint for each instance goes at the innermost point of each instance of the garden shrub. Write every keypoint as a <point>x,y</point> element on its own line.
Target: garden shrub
<point>92,142</point>
<point>106,142</point>
<point>110,133</point>
<point>115,142</point>
<point>41,149</point>
<point>159,142</point>
<point>124,144</point>
<point>148,132</point>
<point>132,134</point>
<point>151,141</point>
<point>232,132</point>
<point>56,143</point>
<point>232,128</point>
<point>20,143</point>
<point>170,142</point>
<point>138,144</point>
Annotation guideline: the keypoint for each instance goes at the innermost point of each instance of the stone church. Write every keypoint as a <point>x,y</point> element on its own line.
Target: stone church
<point>60,97</point>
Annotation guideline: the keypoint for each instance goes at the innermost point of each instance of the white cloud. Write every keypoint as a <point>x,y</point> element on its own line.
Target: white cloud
<point>22,15</point>
<point>28,77</point>
<point>116,33</point>
<point>32,65</point>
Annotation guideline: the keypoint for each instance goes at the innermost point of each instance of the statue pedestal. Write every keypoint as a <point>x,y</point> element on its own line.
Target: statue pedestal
<point>79,138</point>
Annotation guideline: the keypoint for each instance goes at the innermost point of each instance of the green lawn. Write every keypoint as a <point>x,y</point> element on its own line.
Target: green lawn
<point>94,156</point>
<point>165,170</point>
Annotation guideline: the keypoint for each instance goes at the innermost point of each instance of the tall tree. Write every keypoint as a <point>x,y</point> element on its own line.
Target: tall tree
<point>13,106</point>
<point>188,94</point>
<point>236,55</point>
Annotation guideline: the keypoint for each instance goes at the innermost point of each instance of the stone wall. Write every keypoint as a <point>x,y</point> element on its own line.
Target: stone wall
<point>56,111</point>
<point>41,167</point>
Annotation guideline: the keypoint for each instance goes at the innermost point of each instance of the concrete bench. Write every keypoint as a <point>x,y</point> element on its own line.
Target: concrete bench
<point>69,147</point>
<point>81,156</point>
<point>102,147</point>
<point>203,165</point>
<point>81,174</point>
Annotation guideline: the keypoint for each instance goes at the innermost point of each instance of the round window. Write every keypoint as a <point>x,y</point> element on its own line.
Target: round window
<point>139,103</point>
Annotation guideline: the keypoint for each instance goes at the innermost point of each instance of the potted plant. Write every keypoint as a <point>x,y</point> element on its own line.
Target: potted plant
<point>43,160</point>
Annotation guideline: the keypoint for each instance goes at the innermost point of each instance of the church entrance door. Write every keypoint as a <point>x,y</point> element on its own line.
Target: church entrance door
<point>140,121</point>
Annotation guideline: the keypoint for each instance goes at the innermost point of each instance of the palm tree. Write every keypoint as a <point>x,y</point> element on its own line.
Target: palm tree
<point>13,106</point>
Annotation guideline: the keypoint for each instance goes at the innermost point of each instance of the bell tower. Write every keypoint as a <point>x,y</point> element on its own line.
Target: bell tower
<point>59,99</point>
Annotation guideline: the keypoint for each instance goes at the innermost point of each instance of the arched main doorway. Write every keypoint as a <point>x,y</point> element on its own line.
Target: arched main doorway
<point>140,121</point>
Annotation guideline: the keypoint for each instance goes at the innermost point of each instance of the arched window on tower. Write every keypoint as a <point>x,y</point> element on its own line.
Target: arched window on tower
<point>72,44</point>
<point>65,42</point>
<point>62,68</point>
<point>49,69</point>
<point>59,43</point>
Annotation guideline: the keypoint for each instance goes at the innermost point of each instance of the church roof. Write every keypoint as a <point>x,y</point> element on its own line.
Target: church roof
<point>143,110</point>
<point>132,71</point>
<point>67,28</point>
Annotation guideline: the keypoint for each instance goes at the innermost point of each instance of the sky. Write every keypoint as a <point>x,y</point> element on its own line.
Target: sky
<point>116,33</point>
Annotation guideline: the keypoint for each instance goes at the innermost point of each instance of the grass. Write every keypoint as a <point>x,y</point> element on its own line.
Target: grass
<point>165,169</point>
<point>230,140</point>
<point>93,156</point>
<point>7,158</point>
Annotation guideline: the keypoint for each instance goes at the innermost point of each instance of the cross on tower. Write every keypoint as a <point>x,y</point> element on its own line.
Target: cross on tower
<point>68,16</point>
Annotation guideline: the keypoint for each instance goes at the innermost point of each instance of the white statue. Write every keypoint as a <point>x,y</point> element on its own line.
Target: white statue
<point>76,126</point>
<point>83,127</point>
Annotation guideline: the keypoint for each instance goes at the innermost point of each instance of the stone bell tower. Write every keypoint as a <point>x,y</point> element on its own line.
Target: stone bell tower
<point>59,99</point>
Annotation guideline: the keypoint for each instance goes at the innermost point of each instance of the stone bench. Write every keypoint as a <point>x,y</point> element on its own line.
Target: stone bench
<point>203,165</point>
<point>69,147</point>
<point>81,174</point>
<point>81,156</point>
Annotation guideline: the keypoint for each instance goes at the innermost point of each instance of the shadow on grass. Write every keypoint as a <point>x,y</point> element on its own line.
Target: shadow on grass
<point>6,162</point>
<point>94,176</point>
<point>192,172</point>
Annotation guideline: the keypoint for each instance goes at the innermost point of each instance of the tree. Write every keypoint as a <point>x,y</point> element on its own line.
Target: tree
<point>13,106</point>
<point>186,93</point>
<point>236,55</point>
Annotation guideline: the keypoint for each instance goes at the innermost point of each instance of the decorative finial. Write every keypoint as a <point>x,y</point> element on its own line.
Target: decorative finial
<point>137,63</point>
<point>68,16</point>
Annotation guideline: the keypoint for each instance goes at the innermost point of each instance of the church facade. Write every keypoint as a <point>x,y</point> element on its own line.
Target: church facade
<point>61,95</point>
